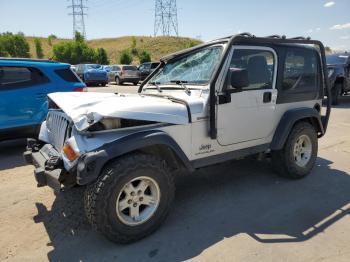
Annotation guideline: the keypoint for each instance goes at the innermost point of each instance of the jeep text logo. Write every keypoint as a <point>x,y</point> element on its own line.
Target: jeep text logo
<point>205,147</point>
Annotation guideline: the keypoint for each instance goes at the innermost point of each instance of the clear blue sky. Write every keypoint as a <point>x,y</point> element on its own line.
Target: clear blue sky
<point>324,20</point>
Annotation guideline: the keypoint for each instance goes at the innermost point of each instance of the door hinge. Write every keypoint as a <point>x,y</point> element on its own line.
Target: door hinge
<point>223,99</point>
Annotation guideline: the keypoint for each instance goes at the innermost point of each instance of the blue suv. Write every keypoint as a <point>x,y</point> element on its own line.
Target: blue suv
<point>24,85</point>
<point>92,74</point>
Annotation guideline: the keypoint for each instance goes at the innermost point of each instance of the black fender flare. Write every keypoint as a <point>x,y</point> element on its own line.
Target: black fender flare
<point>288,120</point>
<point>90,165</point>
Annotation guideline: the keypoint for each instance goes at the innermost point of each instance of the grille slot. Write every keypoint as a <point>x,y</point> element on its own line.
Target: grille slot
<point>58,128</point>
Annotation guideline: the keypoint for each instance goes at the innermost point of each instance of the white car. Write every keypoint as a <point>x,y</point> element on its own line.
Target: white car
<point>226,99</point>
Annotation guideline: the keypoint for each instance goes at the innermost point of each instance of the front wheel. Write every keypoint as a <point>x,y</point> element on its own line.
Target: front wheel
<point>131,198</point>
<point>117,81</point>
<point>298,156</point>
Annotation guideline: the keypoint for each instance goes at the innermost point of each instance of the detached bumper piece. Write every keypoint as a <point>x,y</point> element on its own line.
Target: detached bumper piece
<point>48,166</point>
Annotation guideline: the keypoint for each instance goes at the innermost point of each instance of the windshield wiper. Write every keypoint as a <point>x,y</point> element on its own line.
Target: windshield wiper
<point>156,84</point>
<point>182,84</point>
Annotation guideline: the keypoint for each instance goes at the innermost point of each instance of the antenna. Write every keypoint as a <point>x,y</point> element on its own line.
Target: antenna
<point>78,13</point>
<point>165,17</point>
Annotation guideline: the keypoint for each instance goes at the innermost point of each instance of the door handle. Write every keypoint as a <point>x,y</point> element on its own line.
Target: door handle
<point>267,97</point>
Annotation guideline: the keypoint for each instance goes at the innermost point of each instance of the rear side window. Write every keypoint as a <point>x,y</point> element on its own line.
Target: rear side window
<point>300,71</point>
<point>67,75</point>
<point>130,68</point>
<point>20,77</point>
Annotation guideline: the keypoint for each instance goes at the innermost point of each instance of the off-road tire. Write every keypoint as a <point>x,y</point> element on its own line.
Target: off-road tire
<point>283,160</point>
<point>336,93</point>
<point>100,198</point>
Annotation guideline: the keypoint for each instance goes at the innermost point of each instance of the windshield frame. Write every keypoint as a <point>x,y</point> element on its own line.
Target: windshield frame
<point>175,59</point>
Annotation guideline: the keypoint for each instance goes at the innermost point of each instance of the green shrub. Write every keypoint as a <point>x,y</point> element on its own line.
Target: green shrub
<point>14,45</point>
<point>50,38</point>
<point>101,56</point>
<point>125,57</point>
<point>134,50</point>
<point>38,48</point>
<point>77,51</point>
<point>144,57</point>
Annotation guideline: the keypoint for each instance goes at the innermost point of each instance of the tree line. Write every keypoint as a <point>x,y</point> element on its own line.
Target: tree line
<point>75,51</point>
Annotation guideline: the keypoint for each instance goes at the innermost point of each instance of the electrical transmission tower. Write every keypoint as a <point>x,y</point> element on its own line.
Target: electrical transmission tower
<point>165,17</point>
<point>78,12</point>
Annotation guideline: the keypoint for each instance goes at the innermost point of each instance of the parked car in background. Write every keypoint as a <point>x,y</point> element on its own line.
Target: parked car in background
<point>73,68</point>
<point>146,69</point>
<point>92,74</point>
<point>339,75</point>
<point>121,74</point>
<point>24,85</point>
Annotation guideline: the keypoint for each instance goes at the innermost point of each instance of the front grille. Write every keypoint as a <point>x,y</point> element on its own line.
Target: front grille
<point>58,127</point>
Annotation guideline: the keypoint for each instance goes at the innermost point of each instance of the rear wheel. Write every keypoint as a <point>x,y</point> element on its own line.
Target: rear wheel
<point>135,83</point>
<point>131,198</point>
<point>299,153</point>
<point>336,93</point>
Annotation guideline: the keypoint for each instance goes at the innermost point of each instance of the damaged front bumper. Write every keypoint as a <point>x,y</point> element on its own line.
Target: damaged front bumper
<point>49,170</point>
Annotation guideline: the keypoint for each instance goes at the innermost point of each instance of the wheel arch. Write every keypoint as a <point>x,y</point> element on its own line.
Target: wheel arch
<point>290,119</point>
<point>151,142</point>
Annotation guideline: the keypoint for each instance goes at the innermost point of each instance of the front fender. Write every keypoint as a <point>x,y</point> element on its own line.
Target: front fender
<point>91,164</point>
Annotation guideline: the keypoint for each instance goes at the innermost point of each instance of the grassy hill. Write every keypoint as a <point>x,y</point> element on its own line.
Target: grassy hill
<point>156,46</point>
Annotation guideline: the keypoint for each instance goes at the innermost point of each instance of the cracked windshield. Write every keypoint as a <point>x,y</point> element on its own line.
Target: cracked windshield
<point>194,69</point>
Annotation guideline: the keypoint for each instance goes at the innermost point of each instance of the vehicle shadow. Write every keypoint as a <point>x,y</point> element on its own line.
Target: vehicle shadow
<point>11,154</point>
<point>212,204</point>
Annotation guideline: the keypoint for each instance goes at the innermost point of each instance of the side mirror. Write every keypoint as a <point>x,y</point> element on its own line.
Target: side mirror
<point>238,78</point>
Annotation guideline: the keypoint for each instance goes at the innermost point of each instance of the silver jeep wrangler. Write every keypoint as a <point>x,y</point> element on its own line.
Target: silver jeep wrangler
<point>225,99</point>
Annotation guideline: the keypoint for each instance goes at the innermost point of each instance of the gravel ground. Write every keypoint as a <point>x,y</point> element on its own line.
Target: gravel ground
<point>237,211</point>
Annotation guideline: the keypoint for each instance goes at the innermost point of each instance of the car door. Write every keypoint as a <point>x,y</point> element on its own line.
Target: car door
<point>23,93</point>
<point>249,116</point>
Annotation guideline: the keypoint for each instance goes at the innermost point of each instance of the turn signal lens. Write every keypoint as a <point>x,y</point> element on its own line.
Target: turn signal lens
<point>69,152</point>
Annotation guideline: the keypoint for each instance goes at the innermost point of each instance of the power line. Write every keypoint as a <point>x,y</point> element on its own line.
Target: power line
<point>78,13</point>
<point>165,17</point>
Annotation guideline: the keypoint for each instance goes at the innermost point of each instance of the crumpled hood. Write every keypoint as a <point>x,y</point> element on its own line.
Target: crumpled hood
<point>86,109</point>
